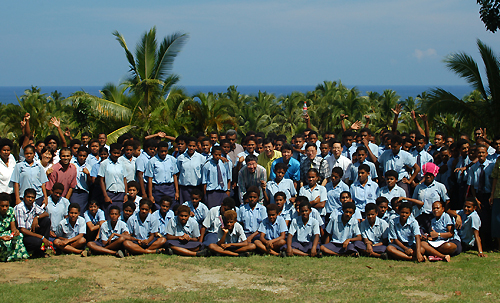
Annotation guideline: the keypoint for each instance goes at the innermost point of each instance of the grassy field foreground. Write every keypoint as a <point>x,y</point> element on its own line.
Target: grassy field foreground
<point>256,279</point>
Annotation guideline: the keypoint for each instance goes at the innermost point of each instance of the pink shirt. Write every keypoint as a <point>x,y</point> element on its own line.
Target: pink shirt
<point>67,178</point>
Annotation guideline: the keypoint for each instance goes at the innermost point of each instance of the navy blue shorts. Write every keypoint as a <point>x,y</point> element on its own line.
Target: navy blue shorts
<point>302,246</point>
<point>360,245</point>
<point>185,244</point>
<point>413,246</point>
<point>339,248</point>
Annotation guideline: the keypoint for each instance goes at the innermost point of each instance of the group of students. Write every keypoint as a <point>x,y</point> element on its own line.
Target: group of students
<point>403,199</point>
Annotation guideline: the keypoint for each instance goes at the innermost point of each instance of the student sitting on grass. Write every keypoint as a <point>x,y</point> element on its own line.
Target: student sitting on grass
<point>34,223</point>
<point>314,212</point>
<point>342,231</point>
<point>364,190</point>
<point>333,190</point>
<point>315,193</point>
<point>383,209</point>
<point>71,231</point>
<point>57,207</point>
<point>128,210</point>
<point>304,233</point>
<point>94,218</point>
<point>163,215</point>
<point>11,240</point>
<point>441,241</point>
<point>112,234</point>
<point>213,220</point>
<point>469,231</point>
<point>280,200</point>
<point>374,232</point>
<point>391,190</point>
<point>231,238</point>
<point>183,234</point>
<point>199,211</point>
<point>404,235</point>
<point>252,214</point>
<point>272,232</point>
<point>143,232</point>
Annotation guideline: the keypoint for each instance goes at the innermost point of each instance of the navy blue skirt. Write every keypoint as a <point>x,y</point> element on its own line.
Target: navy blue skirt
<point>185,244</point>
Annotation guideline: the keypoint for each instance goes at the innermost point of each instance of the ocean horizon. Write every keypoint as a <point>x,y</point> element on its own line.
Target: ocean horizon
<point>8,93</point>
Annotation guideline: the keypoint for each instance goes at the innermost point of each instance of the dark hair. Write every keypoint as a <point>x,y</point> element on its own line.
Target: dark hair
<point>74,205</point>
<point>64,149</point>
<point>381,200</point>
<point>250,158</point>
<point>29,147</point>
<point>115,146</point>
<point>311,145</point>
<point>58,185</point>
<point>272,207</point>
<point>301,199</point>
<point>440,133</point>
<point>196,192</point>
<point>103,149</point>
<point>407,205</point>
<point>166,199</point>
<point>351,205</point>
<point>188,139</point>
<point>370,206</point>
<point>365,130</point>
<point>6,142</point>
<point>128,143</point>
<point>397,139</point>
<point>206,139</point>
<point>130,204</point>
<point>51,137</point>
<point>474,201</point>
<point>346,192</point>
<point>123,138</point>
<point>5,197</point>
<point>280,165</point>
<point>114,207</point>
<point>216,148</point>
<point>75,141</point>
<point>85,134</point>
<point>253,189</point>
<point>279,194</point>
<point>338,170</point>
<point>267,141</point>
<point>149,143</point>
<point>133,184</point>
<point>419,137</point>
<point>305,203</point>
<point>163,144</point>
<point>145,202</point>
<point>83,149</point>
<point>313,170</point>
<point>183,209</point>
<point>30,191</point>
<point>364,167</point>
<point>313,132</point>
<point>93,201</point>
<point>229,202</point>
<point>391,173</point>
<point>363,148</point>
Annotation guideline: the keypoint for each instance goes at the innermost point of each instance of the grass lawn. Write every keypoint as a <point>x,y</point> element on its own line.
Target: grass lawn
<point>255,279</point>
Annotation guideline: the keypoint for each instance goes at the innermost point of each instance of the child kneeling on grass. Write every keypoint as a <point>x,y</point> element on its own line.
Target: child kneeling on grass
<point>272,232</point>
<point>342,231</point>
<point>143,231</point>
<point>374,232</point>
<point>112,234</point>
<point>404,235</point>
<point>232,240</point>
<point>183,234</point>
<point>71,231</point>
<point>303,235</point>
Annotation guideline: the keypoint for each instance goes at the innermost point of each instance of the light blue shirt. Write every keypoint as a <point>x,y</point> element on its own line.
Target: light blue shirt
<point>29,176</point>
<point>333,196</point>
<point>65,230</point>
<point>397,162</point>
<point>286,186</point>
<point>396,191</point>
<point>362,195</point>
<point>311,194</point>
<point>99,216</point>
<point>57,211</point>
<point>339,232</point>
<point>95,170</point>
<point>91,161</point>
<point>353,171</point>
<point>114,176</point>
<point>406,233</point>
<point>81,177</point>
<point>160,221</point>
<point>162,171</point>
<point>314,214</point>
<point>441,225</point>
<point>190,168</point>
<point>273,231</point>
<point>375,233</point>
<point>371,146</point>
<point>469,224</point>
<point>462,176</point>
<point>293,171</point>
<point>140,164</point>
<point>200,213</point>
<point>106,230</point>
<point>250,219</point>
<point>303,232</point>
<point>213,220</point>
<point>474,172</point>
<point>209,175</point>
<point>237,235</point>
<point>425,157</point>
<point>128,167</point>
<point>244,154</point>
<point>175,228</point>
<point>141,230</point>
<point>429,194</point>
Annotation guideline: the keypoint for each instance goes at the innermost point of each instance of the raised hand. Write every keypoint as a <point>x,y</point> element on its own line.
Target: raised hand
<point>56,122</point>
<point>343,116</point>
<point>357,125</point>
<point>367,117</point>
<point>27,116</point>
<point>67,133</point>
<point>423,117</point>
<point>413,115</point>
<point>397,110</point>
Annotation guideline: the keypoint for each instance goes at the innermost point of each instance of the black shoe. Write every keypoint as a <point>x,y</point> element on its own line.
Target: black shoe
<point>319,255</point>
<point>169,251</point>
<point>202,253</point>
<point>283,254</point>
<point>384,256</point>
<point>244,254</point>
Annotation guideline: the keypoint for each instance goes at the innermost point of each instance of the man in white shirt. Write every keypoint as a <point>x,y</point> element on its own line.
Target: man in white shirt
<point>337,160</point>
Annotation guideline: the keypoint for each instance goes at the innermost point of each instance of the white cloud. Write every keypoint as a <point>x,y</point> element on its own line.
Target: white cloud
<point>420,54</point>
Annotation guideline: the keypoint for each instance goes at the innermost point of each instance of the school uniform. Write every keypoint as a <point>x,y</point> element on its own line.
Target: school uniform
<point>65,230</point>
<point>428,194</point>
<point>311,194</point>
<point>140,166</point>
<point>90,161</point>
<point>162,172</point>
<point>212,222</point>
<point>237,235</point>
<point>421,157</point>
<point>286,215</point>
<point>292,172</point>
<point>357,215</point>
<point>161,221</point>
<point>441,226</point>
<point>396,191</point>
<point>303,234</point>
<point>99,216</point>
<point>200,213</point>
<point>189,168</point>
<point>244,154</point>
<point>286,186</point>
<point>353,171</point>
<point>216,176</point>
<point>404,233</point>
<point>114,176</point>
<point>57,211</point>
<point>24,219</point>
<point>141,230</point>
<point>128,166</point>
<point>30,176</point>
<point>333,196</point>
<point>106,231</point>
<point>375,234</point>
<point>175,228</point>
<point>389,161</point>
<point>339,233</point>
<point>273,230</point>
<point>348,151</point>
<point>342,162</point>
<point>314,214</point>
<point>5,174</point>
<point>470,223</point>
<point>250,218</point>
<point>81,191</point>
<point>387,216</point>
<point>362,195</point>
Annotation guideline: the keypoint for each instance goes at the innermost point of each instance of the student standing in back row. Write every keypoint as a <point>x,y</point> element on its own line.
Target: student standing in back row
<point>216,179</point>
<point>113,180</point>
<point>189,165</point>
<point>161,173</point>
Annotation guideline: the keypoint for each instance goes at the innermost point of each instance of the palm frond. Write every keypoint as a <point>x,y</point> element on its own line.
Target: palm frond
<point>113,137</point>
<point>169,48</point>
<point>465,66</point>
<point>130,57</point>
<point>146,54</point>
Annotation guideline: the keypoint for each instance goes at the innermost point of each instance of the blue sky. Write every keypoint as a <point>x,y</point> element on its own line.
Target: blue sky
<point>377,42</point>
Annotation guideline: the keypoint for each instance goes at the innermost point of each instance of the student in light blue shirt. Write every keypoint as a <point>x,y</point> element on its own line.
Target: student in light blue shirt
<point>374,232</point>
<point>183,234</point>
<point>283,212</point>
<point>333,190</point>
<point>80,193</point>
<point>189,165</point>
<point>111,235</point>
<point>113,180</point>
<point>383,209</point>
<point>142,228</point>
<point>272,232</point>
<point>404,236</point>
<point>213,220</point>
<point>94,218</point>
<point>57,207</point>
<point>199,210</point>
<point>363,191</point>
<point>252,214</point>
<point>314,192</point>
<point>421,155</point>
<point>362,154</point>
<point>280,184</point>
<point>303,234</point>
<point>141,163</point>
<point>162,216</point>
<point>342,231</point>
<point>70,232</point>
<point>391,190</point>
<point>161,173</point>
<point>471,223</point>
<point>127,160</point>
<point>216,179</point>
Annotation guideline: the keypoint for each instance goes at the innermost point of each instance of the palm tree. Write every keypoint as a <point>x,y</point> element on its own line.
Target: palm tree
<point>483,111</point>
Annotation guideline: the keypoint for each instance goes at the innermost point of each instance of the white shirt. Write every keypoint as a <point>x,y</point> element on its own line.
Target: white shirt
<point>342,162</point>
<point>5,174</point>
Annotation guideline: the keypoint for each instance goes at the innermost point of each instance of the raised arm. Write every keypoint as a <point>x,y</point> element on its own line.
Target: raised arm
<point>396,111</point>
<point>57,123</point>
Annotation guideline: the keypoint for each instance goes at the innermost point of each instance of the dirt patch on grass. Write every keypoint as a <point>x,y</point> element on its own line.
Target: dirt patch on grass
<point>113,278</point>
<point>427,295</point>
